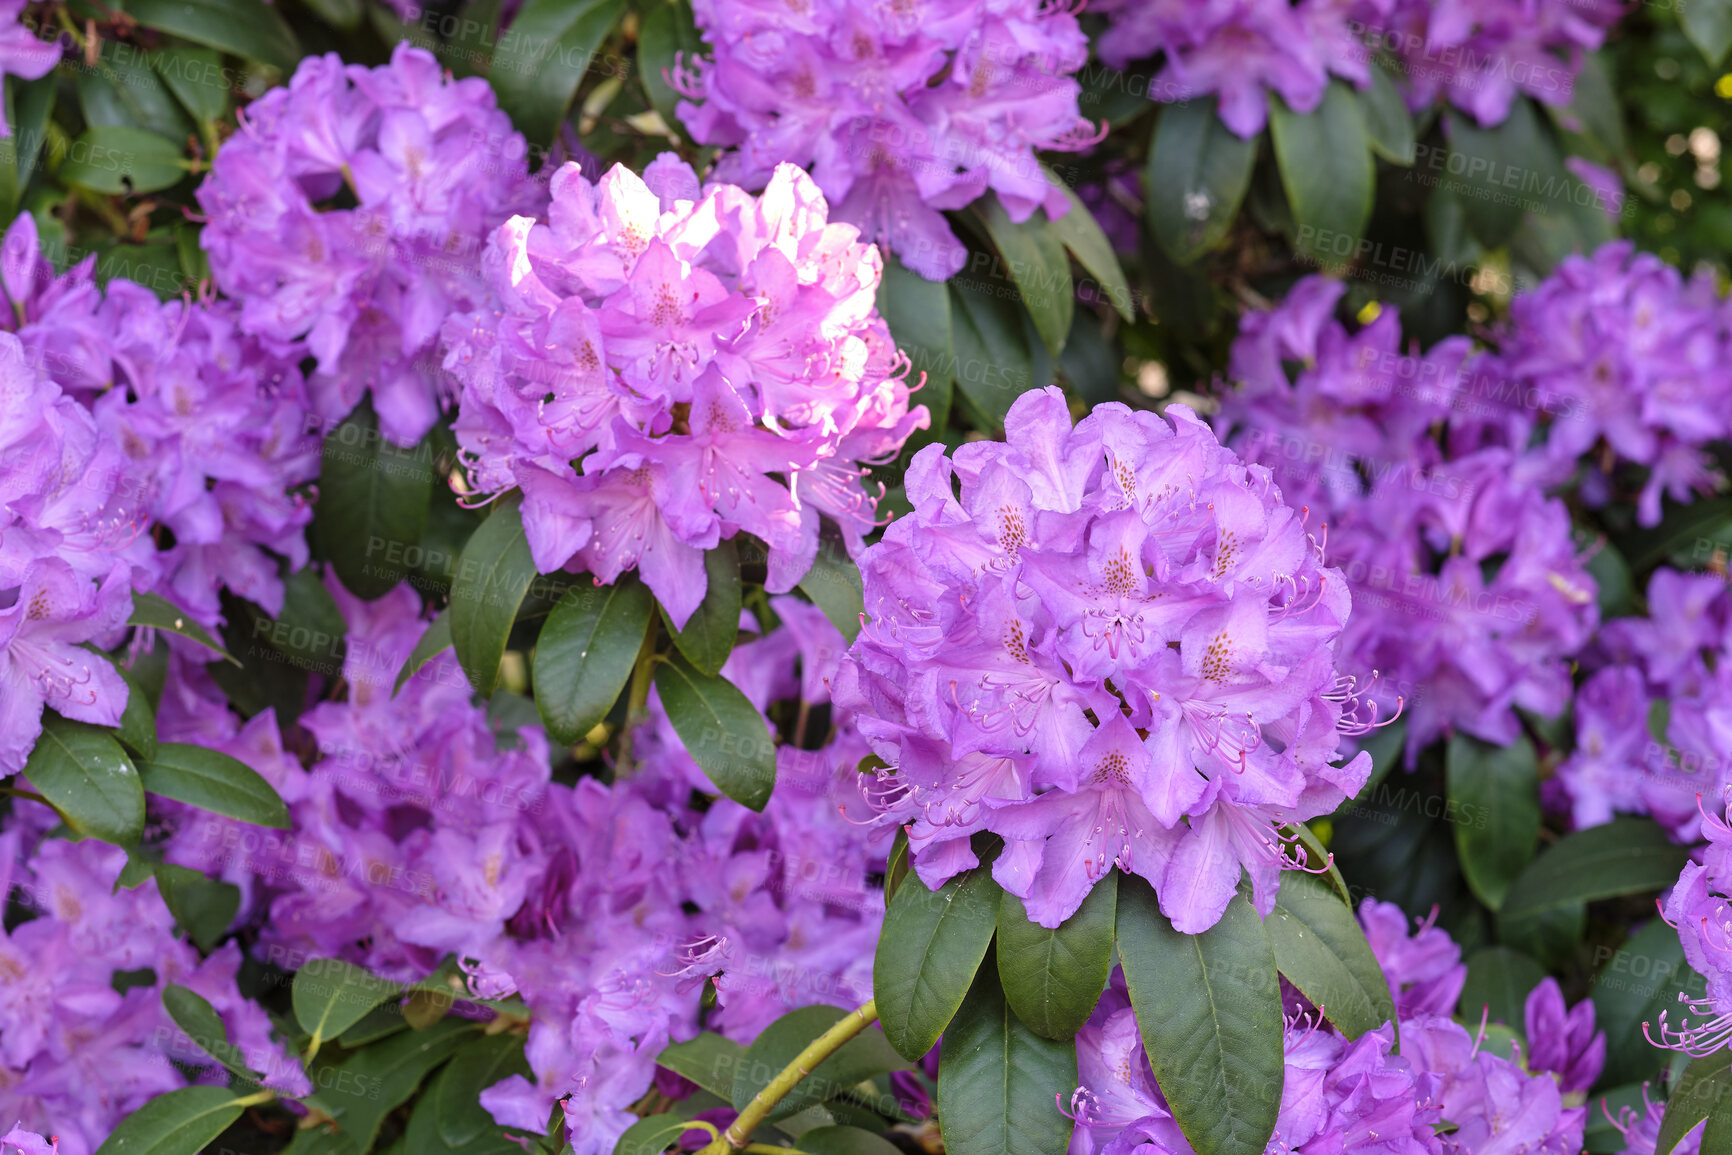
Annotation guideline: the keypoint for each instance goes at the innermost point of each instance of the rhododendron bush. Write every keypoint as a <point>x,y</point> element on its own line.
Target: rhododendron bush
<point>827,578</point>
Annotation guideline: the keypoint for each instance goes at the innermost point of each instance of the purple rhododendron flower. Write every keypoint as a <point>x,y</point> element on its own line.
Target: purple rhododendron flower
<point>433,167</point>
<point>1698,909</point>
<point>1133,571</point>
<point>1469,593</point>
<point>900,111</point>
<point>23,53</point>
<point>665,367</point>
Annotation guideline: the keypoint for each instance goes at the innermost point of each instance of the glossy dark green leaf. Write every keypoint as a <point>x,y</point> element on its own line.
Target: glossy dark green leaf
<point>652,1135</point>
<point>246,28</point>
<point>999,1082</point>
<point>721,729</point>
<point>844,1141</point>
<point>137,729</point>
<point>667,36</point>
<point>1500,173</point>
<point>179,1123</point>
<point>1035,259</point>
<point>122,91</point>
<point>918,313</point>
<point>896,865</point>
<point>1704,1089</point>
<point>214,781</point>
<point>369,1084</point>
<point>435,640</point>
<point>833,583</point>
<point>203,907</point>
<point>309,630</point>
<point>197,77</point>
<point>1708,24</point>
<point>1209,1010</point>
<point>863,1057</point>
<point>203,1028</point>
<point>1053,979</point>
<point>88,779</point>
<point>1196,178</point>
<point>1087,242</point>
<point>1498,982</point>
<point>994,365</point>
<point>423,1135</point>
<point>154,613</point>
<point>586,651</point>
<point>1625,856</point>
<point>930,948</point>
<point>372,508</point>
<point>115,161</point>
<point>475,1066</point>
<point>1388,125</point>
<point>27,107</point>
<point>1327,171</point>
<point>1321,949</point>
<point>710,1061</point>
<point>1494,809</point>
<point>331,995</point>
<point>493,574</point>
<point>1641,979</point>
<point>542,57</point>
<point>714,626</point>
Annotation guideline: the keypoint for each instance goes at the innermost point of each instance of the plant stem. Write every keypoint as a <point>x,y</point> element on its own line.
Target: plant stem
<point>765,1101</point>
<point>14,792</point>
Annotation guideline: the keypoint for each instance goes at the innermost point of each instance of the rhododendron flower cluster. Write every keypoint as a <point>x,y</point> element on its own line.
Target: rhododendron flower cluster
<point>1698,909</point>
<point>1115,646</point>
<point>78,1050</point>
<point>23,54</point>
<point>421,833</point>
<point>1477,55</point>
<point>432,166</point>
<point>1652,716</point>
<point>663,367</point>
<point>1469,594</point>
<point>900,110</point>
<point>1622,361</point>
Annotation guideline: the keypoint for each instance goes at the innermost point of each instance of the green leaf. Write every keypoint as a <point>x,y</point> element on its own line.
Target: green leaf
<point>1498,982</point>
<point>863,1057</point>
<point>542,58</point>
<point>1036,260</point>
<point>993,362</point>
<point>1053,979</point>
<point>1197,175</point>
<point>310,630</point>
<point>833,583</point>
<point>1083,236</point>
<point>1625,856</point>
<point>714,626</point>
<point>1494,794</point>
<point>652,1135</point>
<point>27,106</point>
<point>918,313</point>
<point>344,14</point>
<point>1499,173</point>
<point>197,78</point>
<point>137,729</point>
<point>845,1141</point>
<point>710,1061</point>
<point>88,779</point>
<point>1705,1088</point>
<point>203,1028</point>
<point>331,995</point>
<point>1642,978</point>
<point>1001,1083</point>
<point>896,865</point>
<point>1388,126</point>
<point>374,1081</point>
<point>493,573</point>
<point>116,161</point>
<point>123,92</point>
<point>203,907</point>
<point>423,1135</point>
<point>179,1123</point>
<point>434,640</point>
<point>246,28</point>
<point>372,508</point>
<point>1708,24</point>
<point>1321,949</point>
<point>928,952</point>
<point>1209,1010</point>
<point>214,781</point>
<point>721,729</point>
<point>476,1066</point>
<point>1326,167</point>
<point>153,613</point>
<point>586,652</point>
<point>668,30</point>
